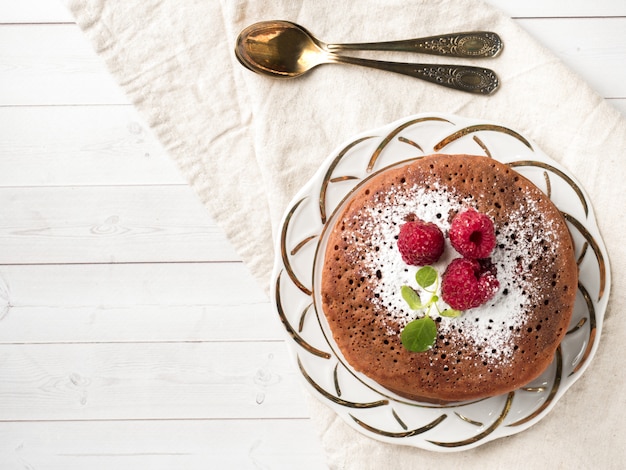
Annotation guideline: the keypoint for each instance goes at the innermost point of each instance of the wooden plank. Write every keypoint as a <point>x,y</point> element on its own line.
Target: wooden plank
<point>96,224</point>
<point>133,302</point>
<point>619,104</point>
<point>129,285</point>
<point>52,64</point>
<point>592,47</point>
<point>189,445</point>
<point>231,321</point>
<point>236,380</point>
<point>559,8</point>
<point>80,145</point>
<point>34,11</point>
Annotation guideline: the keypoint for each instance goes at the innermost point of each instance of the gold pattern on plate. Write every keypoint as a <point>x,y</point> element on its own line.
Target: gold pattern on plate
<point>399,420</point>
<point>284,252</point>
<point>404,434</point>
<point>339,179</point>
<point>583,252</point>
<point>578,326</point>
<point>546,177</point>
<point>486,432</point>
<point>555,387</point>
<point>558,172</point>
<point>302,244</point>
<point>293,333</point>
<point>328,176</point>
<point>477,128</point>
<point>468,420</point>
<point>592,328</point>
<point>336,380</point>
<point>392,134</point>
<point>595,247</point>
<point>303,316</point>
<point>411,143</point>
<point>337,400</point>
<point>482,145</point>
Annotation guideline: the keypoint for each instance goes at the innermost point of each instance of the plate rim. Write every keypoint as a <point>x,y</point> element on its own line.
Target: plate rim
<point>388,131</point>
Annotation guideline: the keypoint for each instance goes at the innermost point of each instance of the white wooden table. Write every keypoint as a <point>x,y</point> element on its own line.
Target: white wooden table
<point>125,340</point>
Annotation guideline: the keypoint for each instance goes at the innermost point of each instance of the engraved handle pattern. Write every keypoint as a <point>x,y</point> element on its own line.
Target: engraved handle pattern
<point>473,44</point>
<point>459,77</point>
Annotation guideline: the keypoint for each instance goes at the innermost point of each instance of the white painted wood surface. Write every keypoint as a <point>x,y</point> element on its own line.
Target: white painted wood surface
<point>125,339</point>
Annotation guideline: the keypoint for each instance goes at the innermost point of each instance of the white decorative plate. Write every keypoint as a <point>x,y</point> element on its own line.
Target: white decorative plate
<point>362,403</point>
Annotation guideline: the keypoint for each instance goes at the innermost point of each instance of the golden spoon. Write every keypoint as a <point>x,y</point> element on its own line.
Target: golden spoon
<point>286,50</point>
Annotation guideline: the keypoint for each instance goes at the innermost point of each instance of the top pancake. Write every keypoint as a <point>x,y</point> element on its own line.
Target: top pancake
<point>490,350</point>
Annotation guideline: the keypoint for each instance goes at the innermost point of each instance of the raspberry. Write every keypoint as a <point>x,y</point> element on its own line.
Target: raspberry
<point>472,234</point>
<point>420,243</point>
<point>469,283</point>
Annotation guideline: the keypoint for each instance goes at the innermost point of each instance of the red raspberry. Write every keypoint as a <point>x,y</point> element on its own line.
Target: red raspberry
<point>469,283</point>
<point>472,234</point>
<point>420,243</point>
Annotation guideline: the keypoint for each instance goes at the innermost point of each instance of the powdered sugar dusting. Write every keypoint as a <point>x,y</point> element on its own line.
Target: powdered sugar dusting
<point>492,328</point>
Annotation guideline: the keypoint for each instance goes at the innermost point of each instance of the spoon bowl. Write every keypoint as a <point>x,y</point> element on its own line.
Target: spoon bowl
<point>282,49</point>
<point>279,48</point>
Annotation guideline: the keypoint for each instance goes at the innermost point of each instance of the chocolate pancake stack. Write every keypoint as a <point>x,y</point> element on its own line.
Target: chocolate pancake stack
<point>485,351</point>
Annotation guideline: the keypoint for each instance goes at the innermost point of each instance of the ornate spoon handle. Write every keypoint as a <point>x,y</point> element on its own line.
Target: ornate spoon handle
<point>460,77</point>
<point>474,44</point>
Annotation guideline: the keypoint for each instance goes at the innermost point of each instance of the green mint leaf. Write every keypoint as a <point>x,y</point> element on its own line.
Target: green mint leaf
<point>419,335</point>
<point>411,297</point>
<point>426,276</point>
<point>451,313</point>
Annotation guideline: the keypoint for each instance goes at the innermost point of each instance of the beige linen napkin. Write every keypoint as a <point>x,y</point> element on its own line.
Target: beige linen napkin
<point>247,143</point>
